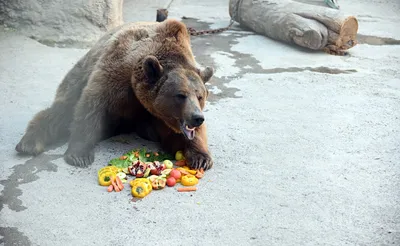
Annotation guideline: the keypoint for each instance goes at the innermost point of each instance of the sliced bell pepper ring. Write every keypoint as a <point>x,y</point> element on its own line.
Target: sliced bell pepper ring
<point>141,187</point>
<point>183,171</point>
<point>107,169</point>
<point>140,180</point>
<point>159,183</point>
<point>189,180</point>
<point>186,168</point>
<point>140,190</point>
<point>105,179</point>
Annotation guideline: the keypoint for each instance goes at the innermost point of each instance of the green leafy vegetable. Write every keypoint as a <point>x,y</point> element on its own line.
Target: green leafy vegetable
<point>139,154</point>
<point>120,163</point>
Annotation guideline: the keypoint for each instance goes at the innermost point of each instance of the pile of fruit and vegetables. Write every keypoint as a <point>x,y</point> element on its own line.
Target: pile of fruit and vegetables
<point>150,171</point>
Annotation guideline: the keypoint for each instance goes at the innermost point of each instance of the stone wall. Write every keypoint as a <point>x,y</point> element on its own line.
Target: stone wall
<point>62,23</point>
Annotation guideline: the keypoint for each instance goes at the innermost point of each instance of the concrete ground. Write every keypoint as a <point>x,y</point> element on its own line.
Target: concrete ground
<point>306,145</point>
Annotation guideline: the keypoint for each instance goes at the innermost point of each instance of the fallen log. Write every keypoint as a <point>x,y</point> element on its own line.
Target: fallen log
<point>310,26</point>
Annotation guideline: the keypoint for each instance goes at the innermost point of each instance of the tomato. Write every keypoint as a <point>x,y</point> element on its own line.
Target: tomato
<point>175,174</point>
<point>171,181</point>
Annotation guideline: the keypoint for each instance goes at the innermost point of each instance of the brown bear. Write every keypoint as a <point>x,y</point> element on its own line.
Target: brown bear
<point>138,77</point>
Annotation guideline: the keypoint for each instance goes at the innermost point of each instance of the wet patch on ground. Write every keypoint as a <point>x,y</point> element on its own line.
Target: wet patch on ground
<point>311,69</point>
<point>64,44</point>
<point>22,174</point>
<point>375,40</point>
<point>11,236</point>
<point>205,46</point>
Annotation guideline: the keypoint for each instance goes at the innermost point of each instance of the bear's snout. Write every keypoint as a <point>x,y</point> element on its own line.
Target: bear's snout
<point>197,120</point>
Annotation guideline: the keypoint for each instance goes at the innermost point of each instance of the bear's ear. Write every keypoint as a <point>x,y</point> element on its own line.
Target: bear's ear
<point>152,69</point>
<point>206,74</point>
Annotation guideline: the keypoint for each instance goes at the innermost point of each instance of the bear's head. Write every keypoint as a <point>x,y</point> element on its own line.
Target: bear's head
<point>175,93</point>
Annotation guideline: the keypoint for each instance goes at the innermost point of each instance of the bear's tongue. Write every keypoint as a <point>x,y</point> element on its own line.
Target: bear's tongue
<point>189,132</point>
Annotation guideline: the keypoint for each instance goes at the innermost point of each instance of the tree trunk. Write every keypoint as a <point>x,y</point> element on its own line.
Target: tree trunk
<point>307,25</point>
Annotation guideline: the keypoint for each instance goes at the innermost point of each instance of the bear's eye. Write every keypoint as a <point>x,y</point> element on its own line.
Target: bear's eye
<point>181,96</point>
<point>200,98</point>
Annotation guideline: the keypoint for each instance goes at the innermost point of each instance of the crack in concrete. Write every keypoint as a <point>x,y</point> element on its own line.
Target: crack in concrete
<point>22,174</point>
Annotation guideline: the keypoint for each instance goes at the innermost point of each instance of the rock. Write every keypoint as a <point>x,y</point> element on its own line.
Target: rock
<point>56,22</point>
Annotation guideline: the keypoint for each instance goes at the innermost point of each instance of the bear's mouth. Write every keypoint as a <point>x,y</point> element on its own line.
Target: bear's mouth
<point>188,131</point>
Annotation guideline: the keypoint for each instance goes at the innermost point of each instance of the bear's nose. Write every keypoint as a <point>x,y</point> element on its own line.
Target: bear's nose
<point>197,120</point>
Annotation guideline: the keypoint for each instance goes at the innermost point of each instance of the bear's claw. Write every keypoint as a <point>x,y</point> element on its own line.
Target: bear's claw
<point>79,159</point>
<point>200,160</point>
<point>29,146</point>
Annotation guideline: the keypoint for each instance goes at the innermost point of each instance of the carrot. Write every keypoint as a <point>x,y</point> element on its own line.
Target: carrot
<point>187,189</point>
<point>119,183</point>
<point>114,184</point>
<point>110,188</point>
<point>200,173</point>
<point>184,172</point>
<point>180,163</point>
<point>124,157</point>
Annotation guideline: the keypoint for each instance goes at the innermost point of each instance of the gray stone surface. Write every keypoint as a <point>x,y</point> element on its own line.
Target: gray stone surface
<point>306,145</point>
<point>57,22</point>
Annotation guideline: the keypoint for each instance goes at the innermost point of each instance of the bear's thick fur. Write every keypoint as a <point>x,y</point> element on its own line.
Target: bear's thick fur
<point>138,77</point>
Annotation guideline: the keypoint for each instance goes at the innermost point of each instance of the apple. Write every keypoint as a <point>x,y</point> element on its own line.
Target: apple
<point>121,175</point>
<point>125,170</point>
<point>176,174</point>
<point>147,172</point>
<point>171,181</point>
<point>166,172</point>
<point>179,156</point>
<point>152,178</point>
<point>168,164</point>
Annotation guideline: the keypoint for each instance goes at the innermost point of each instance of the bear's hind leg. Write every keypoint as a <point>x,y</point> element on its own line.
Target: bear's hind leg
<point>52,124</point>
<point>47,127</point>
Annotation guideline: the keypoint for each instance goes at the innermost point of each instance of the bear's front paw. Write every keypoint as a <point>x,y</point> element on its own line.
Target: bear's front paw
<point>29,145</point>
<point>198,160</point>
<point>80,158</point>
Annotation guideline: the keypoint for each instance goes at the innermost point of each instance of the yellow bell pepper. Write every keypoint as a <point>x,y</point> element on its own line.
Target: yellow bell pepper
<point>141,188</point>
<point>106,177</point>
<point>179,155</point>
<point>107,169</point>
<point>187,169</point>
<point>189,180</point>
<point>136,180</point>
